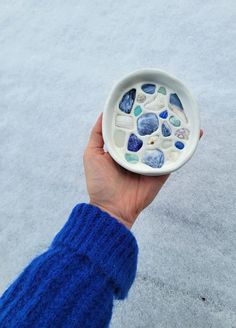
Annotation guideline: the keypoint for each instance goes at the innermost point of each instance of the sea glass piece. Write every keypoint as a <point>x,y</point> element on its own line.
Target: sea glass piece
<point>172,156</point>
<point>147,124</point>
<point>174,121</point>
<point>152,142</point>
<point>177,107</point>
<point>127,101</point>
<point>165,129</point>
<point>131,158</point>
<point>141,98</point>
<point>179,145</point>
<point>182,133</point>
<point>162,90</point>
<point>125,122</point>
<point>134,143</point>
<point>166,143</point>
<point>157,103</point>
<point>119,138</point>
<point>137,111</point>
<point>154,158</point>
<point>164,114</point>
<point>148,88</point>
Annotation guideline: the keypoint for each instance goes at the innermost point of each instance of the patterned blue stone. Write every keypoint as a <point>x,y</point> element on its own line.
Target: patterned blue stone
<point>165,129</point>
<point>179,145</point>
<point>164,114</point>
<point>174,100</point>
<point>127,101</point>
<point>154,158</point>
<point>134,143</point>
<point>148,88</point>
<point>147,124</point>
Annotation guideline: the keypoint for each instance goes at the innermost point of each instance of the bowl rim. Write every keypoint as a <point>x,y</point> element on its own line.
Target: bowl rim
<point>107,141</point>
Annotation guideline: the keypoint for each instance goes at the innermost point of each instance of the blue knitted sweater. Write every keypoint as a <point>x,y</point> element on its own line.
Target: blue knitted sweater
<point>91,261</point>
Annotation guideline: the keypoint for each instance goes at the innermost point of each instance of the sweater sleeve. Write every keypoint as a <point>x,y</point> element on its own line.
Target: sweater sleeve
<point>91,261</point>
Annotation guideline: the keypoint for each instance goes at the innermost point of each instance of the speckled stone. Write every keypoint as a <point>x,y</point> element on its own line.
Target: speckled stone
<point>182,133</point>
<point>127,101</point>
<point>147,124</point>
<point>154,158</point>
<point>141,98</point>
<point>148,88</point>
<point>131,158</point>
<point>165,129</point>
<point>134,143</point>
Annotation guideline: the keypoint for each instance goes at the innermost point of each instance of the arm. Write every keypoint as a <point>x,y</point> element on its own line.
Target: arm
<point>91,261</point>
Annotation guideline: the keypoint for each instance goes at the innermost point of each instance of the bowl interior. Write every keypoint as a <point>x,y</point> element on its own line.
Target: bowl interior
<point>151,123</point>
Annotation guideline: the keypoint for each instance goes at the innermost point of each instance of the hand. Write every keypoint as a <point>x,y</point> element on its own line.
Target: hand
<point>113,189</point>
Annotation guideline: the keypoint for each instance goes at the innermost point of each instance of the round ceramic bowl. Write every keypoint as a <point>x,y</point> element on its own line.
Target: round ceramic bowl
<point>151,123</point>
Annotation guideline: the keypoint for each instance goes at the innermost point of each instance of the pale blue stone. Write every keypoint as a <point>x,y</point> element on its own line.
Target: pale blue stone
<point>127,101</point>
<point>149,88</point>
<point>154,158</point>
<point>147,124</point>
<point>134,143</point>
<point>165,129</point>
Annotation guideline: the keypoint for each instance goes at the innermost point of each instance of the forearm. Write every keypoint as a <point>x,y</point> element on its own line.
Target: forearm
<point>91,261</point>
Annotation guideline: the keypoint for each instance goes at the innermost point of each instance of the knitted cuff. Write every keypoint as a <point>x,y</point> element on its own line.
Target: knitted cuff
<point>106,242</point>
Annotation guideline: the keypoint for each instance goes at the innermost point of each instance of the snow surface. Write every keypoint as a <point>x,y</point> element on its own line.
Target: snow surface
<point>58,61</point>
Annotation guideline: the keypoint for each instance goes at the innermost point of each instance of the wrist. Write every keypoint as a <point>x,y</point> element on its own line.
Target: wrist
<point>114,213</point>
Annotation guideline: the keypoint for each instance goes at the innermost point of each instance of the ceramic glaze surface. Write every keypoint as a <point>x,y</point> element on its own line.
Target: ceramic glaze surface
<point>152,126</point>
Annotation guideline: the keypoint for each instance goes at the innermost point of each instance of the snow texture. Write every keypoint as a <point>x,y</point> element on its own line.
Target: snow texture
<point>58,61</point>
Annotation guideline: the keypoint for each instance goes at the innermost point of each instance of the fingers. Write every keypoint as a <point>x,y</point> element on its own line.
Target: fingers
<point>201,133</point>
<point>96,140</point>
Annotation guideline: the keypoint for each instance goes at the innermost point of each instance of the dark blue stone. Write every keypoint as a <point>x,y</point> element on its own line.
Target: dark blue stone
<point>134,143</point>
<point>174,100</point>
<point>149,88</point>
<point>154,158</point>
<point>179,145</point>
<point>165,129</point>
<point>127,101</point>
<point>164,114</point>
<point>147,124</point>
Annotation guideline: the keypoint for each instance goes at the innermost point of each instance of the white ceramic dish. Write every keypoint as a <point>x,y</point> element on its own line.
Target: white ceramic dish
<point>151,123</point>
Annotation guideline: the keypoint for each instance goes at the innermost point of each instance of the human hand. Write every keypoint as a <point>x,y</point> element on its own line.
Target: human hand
<point>121,193</point>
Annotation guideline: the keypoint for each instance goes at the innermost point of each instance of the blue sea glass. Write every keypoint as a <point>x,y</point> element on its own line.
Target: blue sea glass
<point>179,145</point>
<point>164,114</point>
<point>127,101</point>
<point>174,100</point>
<point>147,124</point>
<point>148,88</point>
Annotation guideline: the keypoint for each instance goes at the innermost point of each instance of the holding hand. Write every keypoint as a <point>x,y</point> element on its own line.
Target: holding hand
<point>121,193</point>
